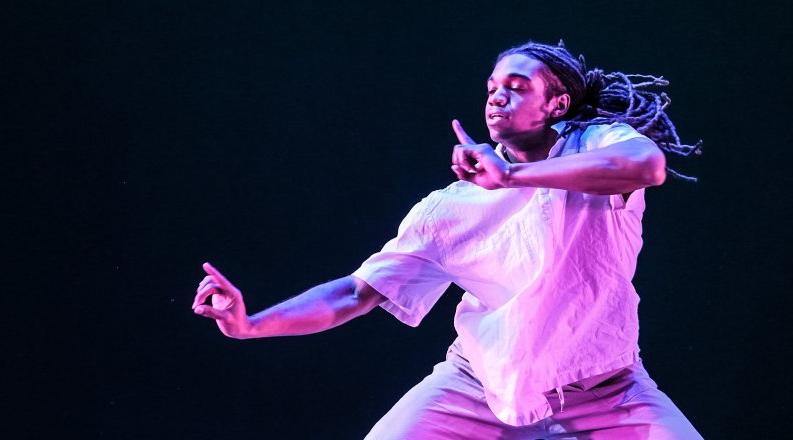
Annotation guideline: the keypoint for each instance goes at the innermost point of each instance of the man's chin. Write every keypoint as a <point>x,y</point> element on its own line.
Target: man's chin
<point>499,136</point>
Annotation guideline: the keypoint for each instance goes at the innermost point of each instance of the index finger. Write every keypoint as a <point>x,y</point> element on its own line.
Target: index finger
<point>462,136</point>
<point>219,278</point>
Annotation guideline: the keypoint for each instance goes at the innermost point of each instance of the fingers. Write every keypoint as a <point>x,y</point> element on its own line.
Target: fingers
<point>213,313</point>
<point>203,282</point>
<point>214,284</point>
<point>465,157</point>
<point>461,156</point>
<point>462,136</point>
<point>218,277</point>
<point>462,175</point>
<point>204,291</point>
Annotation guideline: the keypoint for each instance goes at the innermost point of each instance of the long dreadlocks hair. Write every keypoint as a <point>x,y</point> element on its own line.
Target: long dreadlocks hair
<point>604,98</point>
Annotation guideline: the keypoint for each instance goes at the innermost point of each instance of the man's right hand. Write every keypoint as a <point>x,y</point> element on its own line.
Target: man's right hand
<point>227,309</point>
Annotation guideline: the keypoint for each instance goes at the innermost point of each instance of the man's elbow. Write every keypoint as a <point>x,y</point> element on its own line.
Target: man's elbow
<point>366,296</point>
<point>654,168</point>
<point>649,165</point>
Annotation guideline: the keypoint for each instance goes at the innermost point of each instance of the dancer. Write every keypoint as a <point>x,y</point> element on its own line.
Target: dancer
<point>543,232</point>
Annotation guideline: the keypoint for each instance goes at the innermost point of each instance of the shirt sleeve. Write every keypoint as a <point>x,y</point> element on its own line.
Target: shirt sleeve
<point>601,136</point>
<point>407,270</point>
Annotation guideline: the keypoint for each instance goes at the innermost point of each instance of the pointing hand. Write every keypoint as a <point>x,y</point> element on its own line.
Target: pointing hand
<point>477,163</point>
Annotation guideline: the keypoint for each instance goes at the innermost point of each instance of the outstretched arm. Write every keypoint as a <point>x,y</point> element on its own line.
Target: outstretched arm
<point>320,308</point>
<point>619,168</point>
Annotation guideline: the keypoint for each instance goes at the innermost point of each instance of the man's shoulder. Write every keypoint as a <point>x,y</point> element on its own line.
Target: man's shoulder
<point>460,199</point>
<point>455,193</point>
<point>451,199</point>
<point>439,203</point>
<point>601,135</point>
<point>610,126</point>
<point>458,188</point>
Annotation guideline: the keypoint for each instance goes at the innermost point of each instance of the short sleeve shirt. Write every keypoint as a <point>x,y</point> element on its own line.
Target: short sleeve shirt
<point>547,274</point>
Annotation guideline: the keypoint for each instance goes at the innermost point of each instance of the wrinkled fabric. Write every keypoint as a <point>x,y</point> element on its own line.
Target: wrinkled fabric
<point>547,273</point>
<point>624,404</point>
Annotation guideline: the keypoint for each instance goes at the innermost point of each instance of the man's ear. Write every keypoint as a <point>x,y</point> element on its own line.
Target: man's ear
<point>562,105</point>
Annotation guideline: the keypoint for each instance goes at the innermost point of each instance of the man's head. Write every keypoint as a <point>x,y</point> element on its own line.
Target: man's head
<point>533,86</point>
<point>523,98</point>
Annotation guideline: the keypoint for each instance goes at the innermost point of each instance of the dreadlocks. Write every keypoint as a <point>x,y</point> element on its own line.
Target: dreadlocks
<point>604,98</point>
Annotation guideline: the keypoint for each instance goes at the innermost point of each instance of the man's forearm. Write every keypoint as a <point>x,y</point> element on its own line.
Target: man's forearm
<point>320,308</point>
<point>619,168</point>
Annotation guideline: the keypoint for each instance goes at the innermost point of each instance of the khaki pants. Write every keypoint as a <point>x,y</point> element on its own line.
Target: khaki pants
<point>450,404</point>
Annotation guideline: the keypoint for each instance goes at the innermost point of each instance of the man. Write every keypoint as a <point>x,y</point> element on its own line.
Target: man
<point>543,233</point>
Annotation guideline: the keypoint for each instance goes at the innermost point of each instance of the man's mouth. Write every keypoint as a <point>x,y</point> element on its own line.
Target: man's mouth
<point>496,116</point>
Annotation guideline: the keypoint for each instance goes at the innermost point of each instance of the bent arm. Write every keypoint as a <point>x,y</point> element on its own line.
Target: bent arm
<point>619,168</point>
<point>317,309</point>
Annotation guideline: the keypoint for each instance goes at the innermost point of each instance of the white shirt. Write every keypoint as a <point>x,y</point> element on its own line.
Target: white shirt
<point>547,274</point>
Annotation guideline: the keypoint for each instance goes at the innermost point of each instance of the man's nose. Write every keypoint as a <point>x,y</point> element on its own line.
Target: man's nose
<point>498,97</point>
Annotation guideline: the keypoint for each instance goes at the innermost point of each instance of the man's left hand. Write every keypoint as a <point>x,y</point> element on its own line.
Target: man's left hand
<point>477,163</point>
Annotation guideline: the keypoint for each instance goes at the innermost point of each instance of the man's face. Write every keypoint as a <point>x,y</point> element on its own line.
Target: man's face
<point>516,106</point>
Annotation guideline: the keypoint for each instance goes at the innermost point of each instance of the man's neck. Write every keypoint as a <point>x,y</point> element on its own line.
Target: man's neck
<point>531,148</point>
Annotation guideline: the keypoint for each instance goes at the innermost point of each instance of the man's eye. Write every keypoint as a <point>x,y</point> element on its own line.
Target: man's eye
<point>491,91</point>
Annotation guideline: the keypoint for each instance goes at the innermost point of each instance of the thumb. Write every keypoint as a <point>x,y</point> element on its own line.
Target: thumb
<point>462,136</point>
<point>213,313</point>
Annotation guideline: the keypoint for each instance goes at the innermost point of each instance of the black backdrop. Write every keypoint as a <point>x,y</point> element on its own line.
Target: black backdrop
<point>285,142</point>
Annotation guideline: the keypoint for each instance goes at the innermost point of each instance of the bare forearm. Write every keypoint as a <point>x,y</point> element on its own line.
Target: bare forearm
<point>616,169</point>
<point>320,308</point>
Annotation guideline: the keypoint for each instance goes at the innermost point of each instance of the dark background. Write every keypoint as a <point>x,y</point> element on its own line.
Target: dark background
<point>285,142</point>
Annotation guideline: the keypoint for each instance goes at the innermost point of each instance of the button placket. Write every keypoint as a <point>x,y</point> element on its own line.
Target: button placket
<point>545,203</point>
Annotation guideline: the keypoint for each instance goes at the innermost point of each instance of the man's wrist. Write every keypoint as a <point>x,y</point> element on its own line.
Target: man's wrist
<point>507,180</point>
<point>257,327</point>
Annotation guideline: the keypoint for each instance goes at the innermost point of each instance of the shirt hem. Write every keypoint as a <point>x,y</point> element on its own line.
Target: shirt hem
<point>538,413</point>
